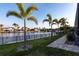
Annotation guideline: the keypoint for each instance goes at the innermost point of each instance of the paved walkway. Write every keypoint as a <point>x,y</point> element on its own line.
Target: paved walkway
<point>60,43</point>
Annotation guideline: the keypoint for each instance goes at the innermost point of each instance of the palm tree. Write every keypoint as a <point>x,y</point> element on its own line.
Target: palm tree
<point>63,23</point>
<point>16,30</point>
<point>16,27</point>
<point>24,14</point>
<point>50,21</point>
<point>56,21</point>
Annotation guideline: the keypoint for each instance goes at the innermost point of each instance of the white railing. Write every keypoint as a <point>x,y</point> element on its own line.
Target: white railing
<point>7,38</point>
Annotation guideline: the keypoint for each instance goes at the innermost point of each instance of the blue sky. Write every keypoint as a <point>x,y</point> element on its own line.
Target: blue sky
<point>57,10</point>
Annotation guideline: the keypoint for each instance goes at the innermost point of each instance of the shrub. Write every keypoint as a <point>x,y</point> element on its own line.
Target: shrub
<point>70,36</point>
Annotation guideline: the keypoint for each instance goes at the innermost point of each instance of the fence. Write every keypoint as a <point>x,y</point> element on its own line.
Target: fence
<point>7,38</point>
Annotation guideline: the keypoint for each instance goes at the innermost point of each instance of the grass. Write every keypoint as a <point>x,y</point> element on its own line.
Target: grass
<point>39,49</point>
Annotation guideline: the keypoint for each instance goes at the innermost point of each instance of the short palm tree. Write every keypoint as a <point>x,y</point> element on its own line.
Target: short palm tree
<point>24,14</point>
<point>16,30</point>
<point>63,23</point>
<point>16,27</point>
<point>50,21</point>
<point>56,21</point>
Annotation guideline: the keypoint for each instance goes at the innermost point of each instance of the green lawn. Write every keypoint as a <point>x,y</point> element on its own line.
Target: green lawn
<point>39,48</point>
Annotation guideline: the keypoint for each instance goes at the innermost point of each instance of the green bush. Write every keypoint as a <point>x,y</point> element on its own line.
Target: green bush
<point>70,36</point>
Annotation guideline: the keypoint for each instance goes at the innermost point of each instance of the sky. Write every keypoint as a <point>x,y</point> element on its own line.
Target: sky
<point>57,10</point>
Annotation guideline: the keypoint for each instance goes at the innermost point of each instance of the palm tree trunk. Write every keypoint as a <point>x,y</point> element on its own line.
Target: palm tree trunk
<point>24,34</point>
<point>51,31</point>
<point>2,39</point>
<point>58,28</point>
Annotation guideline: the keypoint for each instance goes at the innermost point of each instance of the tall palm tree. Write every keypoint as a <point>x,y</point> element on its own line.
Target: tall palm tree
<point>50,21</point>
<point>24,14</point>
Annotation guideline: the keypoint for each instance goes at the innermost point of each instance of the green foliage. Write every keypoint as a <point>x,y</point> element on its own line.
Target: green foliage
<point>24,13</point>
<point>21,8</point>
<point>61,28</point>
<point>70,36</point>
<point>49,19</point>
<point>65,29</point>
<point>32,19</point>
<point>30,9</point>
<point>13,13</point>
<point>63,21</point>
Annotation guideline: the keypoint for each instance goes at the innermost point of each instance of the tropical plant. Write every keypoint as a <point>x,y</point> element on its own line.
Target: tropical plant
<point>56,21</point>
<point>16,27</point>
<point>50,21</point>
<point>16,31</point>
<point>24,14</point>
<point>70,36</point>
<point>64,24</point>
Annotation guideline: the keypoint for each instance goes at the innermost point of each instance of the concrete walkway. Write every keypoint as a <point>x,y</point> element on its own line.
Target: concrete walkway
<point>60,43</point>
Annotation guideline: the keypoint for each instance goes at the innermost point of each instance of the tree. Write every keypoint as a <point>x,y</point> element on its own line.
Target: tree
<point>50,21</point>
<point>24,14</point>
<point>16,31</point>
<point>56,21</point>
<point>64,24</point>
<point>16,27</point>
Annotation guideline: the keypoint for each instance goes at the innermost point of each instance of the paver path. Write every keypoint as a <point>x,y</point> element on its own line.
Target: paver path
<point>60,43</point>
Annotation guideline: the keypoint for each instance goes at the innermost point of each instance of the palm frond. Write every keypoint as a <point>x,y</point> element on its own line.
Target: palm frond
<point>49,17</point>
<point>14,24</point>
<point>55,20</point>
<point>30,10</point>
<point>21,8</point>
<point>63,21</point>
<point>45,20</point>
<point>13,13</point>
<point>53,23</point>
<point>32,18</point>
